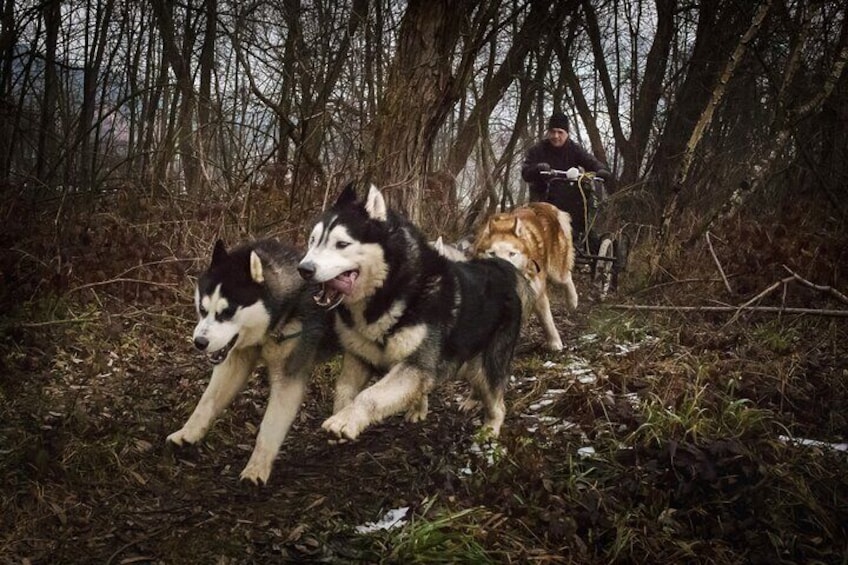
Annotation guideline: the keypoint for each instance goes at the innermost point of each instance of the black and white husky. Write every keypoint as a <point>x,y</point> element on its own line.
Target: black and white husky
<point>252,306</point>
<point>408,314</point>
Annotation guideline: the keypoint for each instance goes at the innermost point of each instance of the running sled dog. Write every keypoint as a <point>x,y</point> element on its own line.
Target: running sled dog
<point>537,240</point>
<point>408,315</point>
<point>252,306</point>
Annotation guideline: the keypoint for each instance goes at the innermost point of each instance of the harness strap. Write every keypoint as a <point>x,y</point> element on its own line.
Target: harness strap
<point>284,337</point>
<point>283,319</point>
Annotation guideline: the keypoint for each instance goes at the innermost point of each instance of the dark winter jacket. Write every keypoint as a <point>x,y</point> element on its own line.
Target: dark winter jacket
<point>557,193</point>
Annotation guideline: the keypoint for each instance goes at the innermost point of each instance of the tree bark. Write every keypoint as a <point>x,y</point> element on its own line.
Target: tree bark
<point>420,92</point>
<point>187,97</point>
<point>650,92</point>
<point>719,26</point>
<point>8,41</point>
<point>91,74</point>
<point>47,131</point>
<point>682,175</point>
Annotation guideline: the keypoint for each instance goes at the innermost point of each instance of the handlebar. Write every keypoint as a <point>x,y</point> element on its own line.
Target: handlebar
<point>560,174</point>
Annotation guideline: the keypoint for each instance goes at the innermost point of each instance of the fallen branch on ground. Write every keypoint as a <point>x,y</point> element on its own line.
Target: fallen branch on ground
<point>747,306</point>
<point>718,264</point>
<point>830,290</point>
<point>782,283</point>
<point>767,309</point>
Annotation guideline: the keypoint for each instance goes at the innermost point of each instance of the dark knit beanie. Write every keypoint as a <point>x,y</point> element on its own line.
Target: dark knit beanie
<point>558,121</point>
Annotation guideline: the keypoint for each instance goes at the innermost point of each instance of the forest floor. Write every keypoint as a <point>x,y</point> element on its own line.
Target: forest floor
<point>659,437</point>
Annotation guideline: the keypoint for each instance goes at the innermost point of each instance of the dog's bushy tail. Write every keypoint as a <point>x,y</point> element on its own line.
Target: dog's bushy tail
<point>560,257</point>
<point>499,352</point>
<point>526,296</point>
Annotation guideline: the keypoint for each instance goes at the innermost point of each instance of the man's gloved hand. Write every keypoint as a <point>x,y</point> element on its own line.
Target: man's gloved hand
<point>609,180</point>
<point>542,168</point>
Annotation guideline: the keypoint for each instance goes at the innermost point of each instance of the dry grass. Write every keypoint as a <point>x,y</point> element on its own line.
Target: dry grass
<point>684,414</point>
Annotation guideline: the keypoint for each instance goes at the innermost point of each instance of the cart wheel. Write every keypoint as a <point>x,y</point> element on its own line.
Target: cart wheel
<point>604,269</point>
<point>622,252</point>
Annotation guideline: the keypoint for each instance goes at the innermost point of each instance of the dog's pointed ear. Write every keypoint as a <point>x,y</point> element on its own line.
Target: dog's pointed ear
<point>219,253</point>
<point>347,196</point>
<point>477,244</point>
<point>375,204</point>
<point>517,227</point>
<point>439,245</point>
<point>256,268</point>
<point>488,229</point>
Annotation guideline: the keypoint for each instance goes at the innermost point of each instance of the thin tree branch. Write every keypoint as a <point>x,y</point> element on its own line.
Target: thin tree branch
<point>822,288</point>
<point>760,309</point>
<point>718,264</point>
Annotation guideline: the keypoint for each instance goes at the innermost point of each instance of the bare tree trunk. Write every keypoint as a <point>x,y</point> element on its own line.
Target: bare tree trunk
<point>8,40</point>
<point>91,73</point>
<point>596,40</point>
<point>419,94</point>
<point>481,205</point>
<point>539,27</point>
<point>650,91</point>
<point>46,137</point>
<point>205,138</point>
<point>682,175</point>
<point>784,126</point>
<point>720,24</point>
<point>291,11</point>
<point>587,114</point>
<point>314,124</point>
<point>187,98</point>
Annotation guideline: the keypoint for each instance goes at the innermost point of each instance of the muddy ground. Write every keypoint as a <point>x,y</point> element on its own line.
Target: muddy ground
<point>87,477</point>
<point>655,437</point>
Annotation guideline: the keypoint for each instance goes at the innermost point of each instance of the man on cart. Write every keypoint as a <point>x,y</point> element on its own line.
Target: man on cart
<point>559,152</point>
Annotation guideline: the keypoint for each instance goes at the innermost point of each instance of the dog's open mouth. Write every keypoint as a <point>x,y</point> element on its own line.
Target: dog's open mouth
<point>334,290</point>
<point>217,357</point>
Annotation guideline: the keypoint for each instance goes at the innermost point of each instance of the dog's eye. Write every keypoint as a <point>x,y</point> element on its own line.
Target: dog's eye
<point>342,244</point>
<point>512,253</point>
<point>226,313</point>
<point>202,311</point>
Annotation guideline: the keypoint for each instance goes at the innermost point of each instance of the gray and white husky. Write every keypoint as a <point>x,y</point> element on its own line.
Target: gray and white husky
<point>408,314</point>
<point>252,306</point>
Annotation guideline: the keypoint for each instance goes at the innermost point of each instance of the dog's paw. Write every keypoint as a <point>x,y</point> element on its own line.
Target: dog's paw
<point>554,345</point>
<point>257,470</point>
<point>347,423</point>
<point>418,411</point>
<point>185,436</point>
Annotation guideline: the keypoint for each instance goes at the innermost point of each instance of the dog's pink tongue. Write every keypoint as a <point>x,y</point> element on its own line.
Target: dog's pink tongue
<point>344,282</point>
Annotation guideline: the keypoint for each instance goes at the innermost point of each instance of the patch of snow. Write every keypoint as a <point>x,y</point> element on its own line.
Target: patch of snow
<point>535,407</point>
<point>486,450</point>
<point>563,427</point>
<point>587,451</point>
<point>814,443</point>
<point>632,398</point>
<point>391,519</point>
